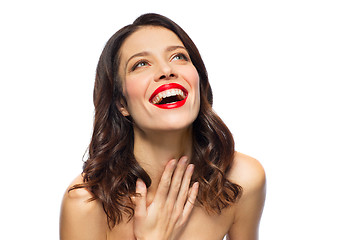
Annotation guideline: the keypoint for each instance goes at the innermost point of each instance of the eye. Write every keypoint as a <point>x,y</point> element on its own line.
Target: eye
<point>180,56</point>
<point>139,64</point>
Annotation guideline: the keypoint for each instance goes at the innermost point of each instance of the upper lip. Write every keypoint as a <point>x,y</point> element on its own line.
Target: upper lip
<point>166,87</point>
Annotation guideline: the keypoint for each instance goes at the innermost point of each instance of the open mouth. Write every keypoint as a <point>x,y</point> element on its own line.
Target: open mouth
<point>168,96</point>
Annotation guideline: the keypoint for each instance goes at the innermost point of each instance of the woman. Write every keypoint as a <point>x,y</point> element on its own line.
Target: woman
<point>161,163</point>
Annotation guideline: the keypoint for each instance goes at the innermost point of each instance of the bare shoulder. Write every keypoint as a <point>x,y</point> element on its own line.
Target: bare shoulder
<point>247,172</point>
<point>250,175</point>
<point>81,218</point>
<point>77,195</point>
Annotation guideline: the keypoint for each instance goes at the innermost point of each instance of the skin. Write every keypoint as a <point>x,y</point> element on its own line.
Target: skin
<point>162,142</point>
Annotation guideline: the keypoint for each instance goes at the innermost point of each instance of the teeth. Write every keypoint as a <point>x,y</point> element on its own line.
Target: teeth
<point>167,93</point>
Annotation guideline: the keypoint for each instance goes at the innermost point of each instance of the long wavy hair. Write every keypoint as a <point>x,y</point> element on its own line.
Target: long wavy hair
<point>111,170</point>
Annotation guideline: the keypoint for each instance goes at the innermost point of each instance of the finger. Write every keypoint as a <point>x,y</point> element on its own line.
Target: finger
<point>185,185</point>
<point>177,181</point>
<point>182,196</point>
<point>140,200</point>
<point>190,201</point>
<point>165,181</point>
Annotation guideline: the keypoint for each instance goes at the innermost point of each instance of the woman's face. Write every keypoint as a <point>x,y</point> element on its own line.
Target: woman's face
<point>160,83</point>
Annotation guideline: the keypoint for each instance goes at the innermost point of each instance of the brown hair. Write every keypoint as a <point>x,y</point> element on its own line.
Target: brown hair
<point>111,171</point>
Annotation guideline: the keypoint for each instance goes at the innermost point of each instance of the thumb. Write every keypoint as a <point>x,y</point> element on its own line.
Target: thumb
<point>140,200</point>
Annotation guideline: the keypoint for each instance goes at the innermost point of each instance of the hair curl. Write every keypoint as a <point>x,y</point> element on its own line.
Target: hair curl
<point>111,170</point>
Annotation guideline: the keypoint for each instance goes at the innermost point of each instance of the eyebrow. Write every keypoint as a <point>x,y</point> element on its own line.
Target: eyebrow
<point>172,48</point>
<point>146,53</point>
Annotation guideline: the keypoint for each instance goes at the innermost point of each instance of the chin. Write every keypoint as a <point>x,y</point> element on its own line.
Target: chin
<point>168,122</point>
<point>174,123</point>
<point>158,119</point>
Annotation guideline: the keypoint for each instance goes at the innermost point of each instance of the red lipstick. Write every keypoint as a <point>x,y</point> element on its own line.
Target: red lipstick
<point>178,91</point>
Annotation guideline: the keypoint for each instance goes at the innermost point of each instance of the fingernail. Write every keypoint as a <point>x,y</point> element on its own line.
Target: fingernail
<point>191,167</point>
<point>173,163</point>
<point>140,184</point>
<point>184,160</point>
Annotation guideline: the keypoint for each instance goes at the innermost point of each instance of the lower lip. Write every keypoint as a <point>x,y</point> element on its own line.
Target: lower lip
<point>172,105</point>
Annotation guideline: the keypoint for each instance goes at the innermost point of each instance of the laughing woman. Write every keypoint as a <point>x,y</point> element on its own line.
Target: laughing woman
<point>161,163</point>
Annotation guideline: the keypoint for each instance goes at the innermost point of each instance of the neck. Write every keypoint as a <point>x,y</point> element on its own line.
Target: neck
<point>153,149</point>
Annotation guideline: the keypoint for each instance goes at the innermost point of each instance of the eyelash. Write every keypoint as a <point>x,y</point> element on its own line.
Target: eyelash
<point>137,64</point>
<point>181,55</point>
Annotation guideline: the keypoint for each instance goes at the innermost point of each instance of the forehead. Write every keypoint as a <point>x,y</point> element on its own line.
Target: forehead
<point>148,38</point>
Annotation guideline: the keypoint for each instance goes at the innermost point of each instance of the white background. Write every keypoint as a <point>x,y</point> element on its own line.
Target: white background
<point>285,77</point>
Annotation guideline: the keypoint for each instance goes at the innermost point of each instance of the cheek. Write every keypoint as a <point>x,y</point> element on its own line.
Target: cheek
<point>192,77</point>
<point>134,89</point>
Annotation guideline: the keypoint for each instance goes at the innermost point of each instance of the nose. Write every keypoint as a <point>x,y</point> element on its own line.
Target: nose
<point>166,72</point>
<point>167,76</point>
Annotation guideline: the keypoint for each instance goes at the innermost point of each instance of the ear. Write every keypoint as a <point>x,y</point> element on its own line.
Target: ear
<point>124,112</point>
<point>122,109</point>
